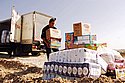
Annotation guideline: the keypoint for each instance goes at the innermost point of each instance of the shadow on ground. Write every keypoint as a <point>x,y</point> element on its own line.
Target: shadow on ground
<point>7,56</point>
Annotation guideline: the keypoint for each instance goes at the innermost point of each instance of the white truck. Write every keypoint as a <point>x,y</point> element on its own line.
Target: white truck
<point>27,34</point>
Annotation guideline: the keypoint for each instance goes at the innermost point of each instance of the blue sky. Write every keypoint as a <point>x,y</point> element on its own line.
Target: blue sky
<point>107,17</point>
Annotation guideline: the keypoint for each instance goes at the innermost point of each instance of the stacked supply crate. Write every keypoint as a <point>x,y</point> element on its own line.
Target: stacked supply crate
<point>91,43</point>
<point>81,29</point>
<point>69,39</point>
<point>82,37</point>
<point>54,37</point>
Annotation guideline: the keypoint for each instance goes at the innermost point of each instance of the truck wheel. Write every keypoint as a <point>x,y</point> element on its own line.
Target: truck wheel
<point>10,53</point>
<point>15,52</point>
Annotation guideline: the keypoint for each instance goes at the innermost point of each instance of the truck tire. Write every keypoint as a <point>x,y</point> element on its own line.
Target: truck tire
<point>10,53</point>
<point>16,49</point>
<point>13,52</point>
<point>16,52</point>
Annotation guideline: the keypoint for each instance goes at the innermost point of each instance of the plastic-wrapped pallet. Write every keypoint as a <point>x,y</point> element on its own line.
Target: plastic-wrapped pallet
<point>54,57</point>
<point>64,55</point>
<point>93,56</point>
<point>74,55</point>
<point>86,55</point>
<point>69,55</point>
<point>81,55</point>
<point>60,56</point>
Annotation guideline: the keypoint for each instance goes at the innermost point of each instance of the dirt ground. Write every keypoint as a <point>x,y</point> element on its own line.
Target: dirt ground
<point>28,69</point>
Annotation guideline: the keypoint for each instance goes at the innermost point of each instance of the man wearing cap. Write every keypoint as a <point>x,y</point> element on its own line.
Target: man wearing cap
<point>43,36</point>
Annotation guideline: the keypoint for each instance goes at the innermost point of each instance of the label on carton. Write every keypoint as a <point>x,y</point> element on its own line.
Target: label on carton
<point>81,28</point>
<point>120,73</point>
<point>53,33</point>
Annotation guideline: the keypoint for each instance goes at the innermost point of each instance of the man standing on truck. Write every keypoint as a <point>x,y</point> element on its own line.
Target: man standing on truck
<point>43,36</point>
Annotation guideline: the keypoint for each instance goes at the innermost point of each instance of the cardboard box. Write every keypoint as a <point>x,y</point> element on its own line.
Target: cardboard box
<point>77,27</point>
<point>95,70</point>
<point>54,37</point>
<point>75,46</point>
<point>81,46</point>
<point>55,43</point>
<point>69,39</point>
<point>84,39</point>
<point>78,45</point>
<point>103,44</point>
<point>68,44</point>
<point>94,37</point>
<point>81,28</point>
<point>120,73</point>
<point>88,70</point>
<point>91,46</point>
<point>69,36</point>
<point>53,33</point>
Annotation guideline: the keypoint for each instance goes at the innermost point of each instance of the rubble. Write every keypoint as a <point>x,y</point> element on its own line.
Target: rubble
<point>16,72</point>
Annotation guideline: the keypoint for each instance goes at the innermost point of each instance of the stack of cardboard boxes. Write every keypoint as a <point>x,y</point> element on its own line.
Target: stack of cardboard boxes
<point>80,37</point>
<point>54,37</point>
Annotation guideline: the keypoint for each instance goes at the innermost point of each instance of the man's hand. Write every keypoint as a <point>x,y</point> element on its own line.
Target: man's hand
<point>47,42</point>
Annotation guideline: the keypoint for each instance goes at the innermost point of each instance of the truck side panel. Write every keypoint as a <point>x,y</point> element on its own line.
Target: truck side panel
<point>40,22</point>
<point>27,29</point>
<point>17,36</point>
